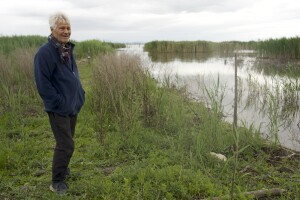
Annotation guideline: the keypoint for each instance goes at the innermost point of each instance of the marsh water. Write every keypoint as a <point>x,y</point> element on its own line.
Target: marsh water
<point>264,101</point>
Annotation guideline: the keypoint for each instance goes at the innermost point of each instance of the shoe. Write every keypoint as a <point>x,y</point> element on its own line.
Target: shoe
<point>59,187</point>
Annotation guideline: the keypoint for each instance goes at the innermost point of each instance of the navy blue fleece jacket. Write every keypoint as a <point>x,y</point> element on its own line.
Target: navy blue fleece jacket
<point>58,83</point>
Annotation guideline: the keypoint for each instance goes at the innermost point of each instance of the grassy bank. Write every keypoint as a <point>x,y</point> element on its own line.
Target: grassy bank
<point>136,138</point>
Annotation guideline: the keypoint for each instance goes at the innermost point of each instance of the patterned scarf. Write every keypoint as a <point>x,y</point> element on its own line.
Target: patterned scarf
<point>64,51</point>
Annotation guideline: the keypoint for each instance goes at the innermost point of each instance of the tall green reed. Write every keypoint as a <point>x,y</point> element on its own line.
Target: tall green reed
<point>197,46</point>
<point>182,46</point>
<point>92,48</point>
<point>281,48</point>
<point>11,43</point>
<point>132,96</point>
<point>16,77</point>
<point>117,91</point>
<point>214,101</point>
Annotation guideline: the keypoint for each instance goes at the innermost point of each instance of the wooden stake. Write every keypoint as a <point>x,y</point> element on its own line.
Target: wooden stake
<point>235,92</point>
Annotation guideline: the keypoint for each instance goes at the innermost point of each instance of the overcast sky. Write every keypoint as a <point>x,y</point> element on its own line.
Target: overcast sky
<point>147,20</point>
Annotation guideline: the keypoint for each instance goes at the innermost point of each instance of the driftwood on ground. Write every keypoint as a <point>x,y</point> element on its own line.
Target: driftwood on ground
<point>257,194</point>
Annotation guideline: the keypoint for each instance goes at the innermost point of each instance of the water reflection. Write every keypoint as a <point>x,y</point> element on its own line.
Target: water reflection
<point>194,57</point>
<point>270,103</point>
<point>183,57</point>
<point>272,67</point>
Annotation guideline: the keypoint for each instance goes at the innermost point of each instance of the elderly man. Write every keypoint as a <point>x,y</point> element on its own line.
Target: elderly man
<point>59,86</point>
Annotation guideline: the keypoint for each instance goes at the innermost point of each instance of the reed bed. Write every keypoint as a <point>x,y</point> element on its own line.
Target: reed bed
<point>281,48</point>
<point>176,47</point>
<point>16,78</point>
<point>117,90</point>
<point>228,47</point>
<point>11,43</point>
<point>198,46</point>
<point>91,48</point>
<point>132,96</point>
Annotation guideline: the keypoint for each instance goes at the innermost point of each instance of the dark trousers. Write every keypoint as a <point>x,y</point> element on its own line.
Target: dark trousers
<point>63,128</point>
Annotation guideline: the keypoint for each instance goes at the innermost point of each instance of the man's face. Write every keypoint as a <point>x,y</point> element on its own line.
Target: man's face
<point>62,32</point>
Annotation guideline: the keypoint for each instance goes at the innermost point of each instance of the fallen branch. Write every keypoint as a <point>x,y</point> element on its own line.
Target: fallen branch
<point>257,194</point>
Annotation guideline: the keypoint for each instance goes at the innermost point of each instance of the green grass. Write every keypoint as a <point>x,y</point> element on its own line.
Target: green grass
<point>135,139</point>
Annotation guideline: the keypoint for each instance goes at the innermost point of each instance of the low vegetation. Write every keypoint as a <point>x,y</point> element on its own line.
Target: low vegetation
<point>137,138</point>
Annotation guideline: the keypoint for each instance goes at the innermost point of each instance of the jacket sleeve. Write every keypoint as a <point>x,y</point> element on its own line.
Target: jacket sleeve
<point>42,75</point>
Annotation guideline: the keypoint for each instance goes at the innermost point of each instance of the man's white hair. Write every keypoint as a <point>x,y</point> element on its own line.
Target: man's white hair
<point>58,16</point>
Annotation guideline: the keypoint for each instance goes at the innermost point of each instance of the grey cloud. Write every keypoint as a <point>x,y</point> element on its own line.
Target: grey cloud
<point>162,6</point>
<point>86,4</point>
<point>144,20</point>
<point>204,5</point>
